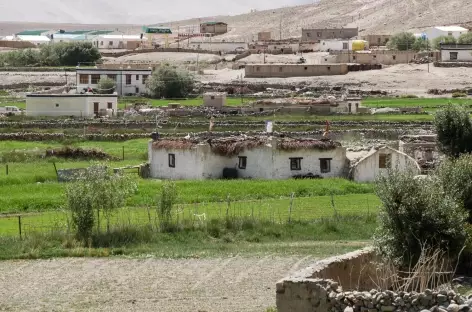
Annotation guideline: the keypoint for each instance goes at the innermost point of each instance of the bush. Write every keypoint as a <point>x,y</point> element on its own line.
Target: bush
<point>443,39</point>
<point>459,94</point>
<point>454,130</point>
<point>465,38</point>
<point>106,86</point>
<point>416,214</point>
<point>455,176</point>
<point>169,82</point>
<point>165,203</point>
<point>58,54</point>
<point>402,41</point>
<point>98,191</point>
<point>408,96</point>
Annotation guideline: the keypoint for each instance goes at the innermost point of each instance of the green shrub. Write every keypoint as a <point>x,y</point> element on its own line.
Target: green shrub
<point>165,203</point>
<point>58,54</point>
<point>408,96</point>
<point>417,214</point>
<point>402,41</point>
<point>465,38</point>
<point>454,130</point>
<point>443,39</point>
<point>106,86</point>
<point>459,94</point>
<point>96,191</point>
<point>169,82</point>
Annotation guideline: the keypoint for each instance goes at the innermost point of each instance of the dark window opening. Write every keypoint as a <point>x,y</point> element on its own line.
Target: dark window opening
<point>145,78</point>
<point>212,97</point>
<point>128,79</point>
<point>306,68</point>
<point>385,161</point>
<point>137,77</point>
<point>394,57</point>
<point>453,56</point>
<point>375,56</point>
<point>172,160</point>
<point>325,165</point>
<point>296,163</point>
<point>242,162</point>
<point>110,105</point>
<point>57,104</point>
<point>95,79</point>
<point>329,67</point>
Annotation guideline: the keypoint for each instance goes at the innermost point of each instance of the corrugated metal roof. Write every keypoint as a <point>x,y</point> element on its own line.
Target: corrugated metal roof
<point>124,37</point>
<point>213,23</point>
<point>75,32</point>
<point>100,32</point>
<point>451,28</point>
<point>31,33</point>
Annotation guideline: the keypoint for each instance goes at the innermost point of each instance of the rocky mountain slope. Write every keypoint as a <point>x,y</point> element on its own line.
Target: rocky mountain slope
<point>371,16</point>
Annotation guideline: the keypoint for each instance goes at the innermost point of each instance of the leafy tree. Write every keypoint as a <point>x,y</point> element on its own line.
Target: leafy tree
<point>416,214</point>
<point>106,86</point>
<point>443,39</point>
<point>421,45</point>
<point>402,41</point>
<point>96,192</point>
<point>454,130</point>
<point>465,38</point>
<point>169,82</point>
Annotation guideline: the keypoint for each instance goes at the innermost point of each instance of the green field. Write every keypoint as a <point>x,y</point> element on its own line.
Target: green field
<point>129,101</point>
<point>414,102</point>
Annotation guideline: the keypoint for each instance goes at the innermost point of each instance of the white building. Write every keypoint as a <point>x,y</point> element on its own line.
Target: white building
<point>340,45</point>
<point>214,99</point>
<point>456,52</point>
<point>246,157</point>
<point>37,40</point>
<point>83,105</point>
<point>128,81</point>
<point>65,37</point>
<point>129,42</point>
<point>438,31</point>
<point>378,161</point>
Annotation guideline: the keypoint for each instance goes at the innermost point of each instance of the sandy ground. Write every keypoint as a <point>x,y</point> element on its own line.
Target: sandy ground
<point>221,285</point>
<point>38,78</point>
<point>165,57</point>
<point>401,79</point>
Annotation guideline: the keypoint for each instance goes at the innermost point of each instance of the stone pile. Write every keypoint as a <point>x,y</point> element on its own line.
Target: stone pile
<point>390,301</point>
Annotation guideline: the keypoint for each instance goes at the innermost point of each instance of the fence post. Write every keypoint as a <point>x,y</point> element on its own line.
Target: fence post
<point>228,203</point>
<point>19,226</point>
<point>55,169</point>
<point>334,207</point>
<point>290,208</point>
<point>123,152</point>
<point>6,168</point>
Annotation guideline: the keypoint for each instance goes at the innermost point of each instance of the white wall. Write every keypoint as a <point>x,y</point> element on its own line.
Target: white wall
<point>216,46</point>
<point>264,162</point>
<point>367,169</point>
<point>122,88</point>
<point>67,105</point>
<point>462,55</point>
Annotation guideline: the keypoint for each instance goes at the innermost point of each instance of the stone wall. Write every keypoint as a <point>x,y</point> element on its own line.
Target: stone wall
<point>319,289</point>
<point>453,64</point>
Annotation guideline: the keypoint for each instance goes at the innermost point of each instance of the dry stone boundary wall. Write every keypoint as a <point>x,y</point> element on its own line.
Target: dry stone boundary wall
<point>318,289</point>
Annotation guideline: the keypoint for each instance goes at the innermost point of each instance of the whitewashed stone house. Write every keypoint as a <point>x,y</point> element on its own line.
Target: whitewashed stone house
<point>378,162</point>
<point>246,157</point>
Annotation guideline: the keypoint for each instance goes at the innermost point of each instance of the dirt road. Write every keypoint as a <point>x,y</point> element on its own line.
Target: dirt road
<point>226,284</point>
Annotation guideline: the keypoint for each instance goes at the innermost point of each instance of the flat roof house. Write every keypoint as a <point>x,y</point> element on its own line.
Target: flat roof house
<point>316,34</point>
<point>456,52</point>
<point>216,28</point>
<point>438,31</point>
<point>129,42</point>
<point>128,81</point>
<point>80,105</point>
<point>245,157</point>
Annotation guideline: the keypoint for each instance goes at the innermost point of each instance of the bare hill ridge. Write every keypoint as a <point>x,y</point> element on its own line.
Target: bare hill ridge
<point>371,16</point>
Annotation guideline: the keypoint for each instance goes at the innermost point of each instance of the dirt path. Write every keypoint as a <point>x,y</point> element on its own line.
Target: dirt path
<point>225,284</point>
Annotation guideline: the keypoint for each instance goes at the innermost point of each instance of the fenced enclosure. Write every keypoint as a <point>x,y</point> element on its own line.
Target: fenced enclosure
<point>276,211</point>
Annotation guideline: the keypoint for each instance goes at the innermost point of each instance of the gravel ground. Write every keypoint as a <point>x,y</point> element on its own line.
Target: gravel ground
<point>400,79</point>
<point>82,284</point>
<point>165,57</point>
<point>35,78</point>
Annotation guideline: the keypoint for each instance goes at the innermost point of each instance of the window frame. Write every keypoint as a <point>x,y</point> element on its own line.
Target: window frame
<point>297,166</point>
<point>128,81</point>
<point>145,78</point>
<point>456,55</point>
<point>385,161</point>
<point>326,161</point>
<point>242,163</point>
<point>109,105</point>
<point>112,76</point>
<point>82,81</point>
<point>93,78</point>
<point>171,160</point>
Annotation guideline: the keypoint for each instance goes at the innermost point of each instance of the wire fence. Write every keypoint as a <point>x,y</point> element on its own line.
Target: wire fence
<point>275,211</point>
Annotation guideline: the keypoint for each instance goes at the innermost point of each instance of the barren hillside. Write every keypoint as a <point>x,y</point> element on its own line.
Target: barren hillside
<point>371,16</point>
